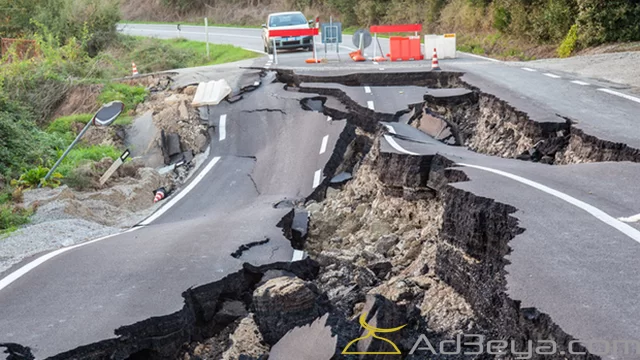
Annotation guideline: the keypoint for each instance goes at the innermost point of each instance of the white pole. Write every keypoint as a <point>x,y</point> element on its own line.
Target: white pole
<point>275,52</point>
<point>315,54</point>
<point>206,34</point>
<point>375,49</point>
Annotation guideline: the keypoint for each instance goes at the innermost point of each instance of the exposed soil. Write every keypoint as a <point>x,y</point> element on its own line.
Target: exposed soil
<point>396,245</point>
<point>81,99</point>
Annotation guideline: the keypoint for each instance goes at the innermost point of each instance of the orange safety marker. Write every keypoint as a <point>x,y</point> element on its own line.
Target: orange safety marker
<point>134,69</point>
<point>160,194</point>
<point>434,61</point>
<point>357,56</point>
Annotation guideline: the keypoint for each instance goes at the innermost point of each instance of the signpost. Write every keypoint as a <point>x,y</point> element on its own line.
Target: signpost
<point>331,35</point>
<point>116,164</point>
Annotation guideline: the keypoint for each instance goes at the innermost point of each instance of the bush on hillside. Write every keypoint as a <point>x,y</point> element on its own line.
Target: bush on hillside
<point>569,44</point>
<point>94,20</point>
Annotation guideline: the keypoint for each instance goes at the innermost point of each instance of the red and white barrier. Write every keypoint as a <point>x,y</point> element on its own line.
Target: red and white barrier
<point>273,34</point>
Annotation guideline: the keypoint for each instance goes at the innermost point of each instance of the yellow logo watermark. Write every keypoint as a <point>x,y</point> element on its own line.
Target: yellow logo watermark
<point>371,333</point>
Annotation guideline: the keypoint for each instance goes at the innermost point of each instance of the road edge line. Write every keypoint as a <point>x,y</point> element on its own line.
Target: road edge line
<point>181,194</point>
<point>25,269</point>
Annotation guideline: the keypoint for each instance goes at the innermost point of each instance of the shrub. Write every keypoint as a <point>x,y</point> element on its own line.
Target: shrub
<point>34,177</point>
<point>501,19</point>
<point>569,44</point>
<point>11,217</point>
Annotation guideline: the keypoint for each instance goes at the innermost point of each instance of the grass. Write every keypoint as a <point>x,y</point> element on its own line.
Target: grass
<point>154,55</point>
<point>129,95</point>
<point>13,217</point>
<point>81,155</point>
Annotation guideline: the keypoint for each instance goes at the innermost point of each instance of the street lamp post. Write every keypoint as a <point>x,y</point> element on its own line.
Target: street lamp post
<point>107,114</point>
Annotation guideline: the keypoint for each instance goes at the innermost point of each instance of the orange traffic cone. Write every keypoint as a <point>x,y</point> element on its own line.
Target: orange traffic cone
<point>134,69</point>
<point>434,62</point>
<point>357,56</point>
<point>159,195</point>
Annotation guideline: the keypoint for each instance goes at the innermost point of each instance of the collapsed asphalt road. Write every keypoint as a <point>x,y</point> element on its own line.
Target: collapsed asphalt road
<point>564,257</point>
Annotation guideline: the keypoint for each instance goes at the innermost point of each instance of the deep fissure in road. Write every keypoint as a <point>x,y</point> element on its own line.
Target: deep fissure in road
<point>395,240</point>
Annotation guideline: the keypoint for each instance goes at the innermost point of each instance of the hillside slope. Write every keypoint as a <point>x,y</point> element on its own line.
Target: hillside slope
<point>511,29</point>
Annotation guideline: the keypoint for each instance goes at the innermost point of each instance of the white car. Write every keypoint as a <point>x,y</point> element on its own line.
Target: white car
<point>286,21</point>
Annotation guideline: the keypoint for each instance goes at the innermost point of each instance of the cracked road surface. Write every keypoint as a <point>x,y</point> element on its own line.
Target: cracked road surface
<point>573,263</point>
<point>84,294</point>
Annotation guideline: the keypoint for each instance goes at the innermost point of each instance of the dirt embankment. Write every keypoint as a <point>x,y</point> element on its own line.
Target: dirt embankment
<point>85,209</point>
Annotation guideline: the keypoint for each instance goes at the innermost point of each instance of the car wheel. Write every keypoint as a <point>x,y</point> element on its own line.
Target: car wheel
<point>310,48</point>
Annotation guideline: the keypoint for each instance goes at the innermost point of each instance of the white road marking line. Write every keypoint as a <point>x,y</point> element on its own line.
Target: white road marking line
<point>632,219</point>
<point>329,118</point>
<point>391,129</point>
<point>628,97</point>
<point>370,105</point>
<point>595,212</point>
<point>397,146</point>
<point>223,127</point>
<point>298,255</point>
<point>367,89</point>
<point>9,279</point>
<point>317,177</point>
<point>578,82</point>
<point>554,76</point>
<point>325,142</point>
<point>375,63</point>
<point>381,69</point>
<point>529,69</point>
<point>480,57</point>
<point>174,200</point>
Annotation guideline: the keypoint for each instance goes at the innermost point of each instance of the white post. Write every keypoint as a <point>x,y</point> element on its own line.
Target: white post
<point>275,52</point>
<point>206,34</point>
<point>375,49</point>
<point>315,54</point>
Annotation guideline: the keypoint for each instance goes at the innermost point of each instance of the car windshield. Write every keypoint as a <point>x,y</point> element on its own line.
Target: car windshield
<point>287,20</point>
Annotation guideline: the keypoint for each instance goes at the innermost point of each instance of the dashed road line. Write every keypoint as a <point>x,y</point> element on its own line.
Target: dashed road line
<point>317,177</point>
<point>529,69</point>
<point>325,142</point>
<point>578,82</point>
<point>371,105</point>
<point>554,76</point>
<point>223,127</point>
<point>628,97</point>
<point>367,89</point>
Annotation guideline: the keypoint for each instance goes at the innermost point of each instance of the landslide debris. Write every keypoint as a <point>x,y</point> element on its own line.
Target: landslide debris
<point>393,243</point>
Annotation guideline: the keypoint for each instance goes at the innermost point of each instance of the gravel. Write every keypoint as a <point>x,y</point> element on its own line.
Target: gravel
<point>621,68</point>
<point>33,239</point>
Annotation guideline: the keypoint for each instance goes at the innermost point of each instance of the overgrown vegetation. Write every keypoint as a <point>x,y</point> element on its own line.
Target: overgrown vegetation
<point>528,28</point>
<point>62,44</point>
